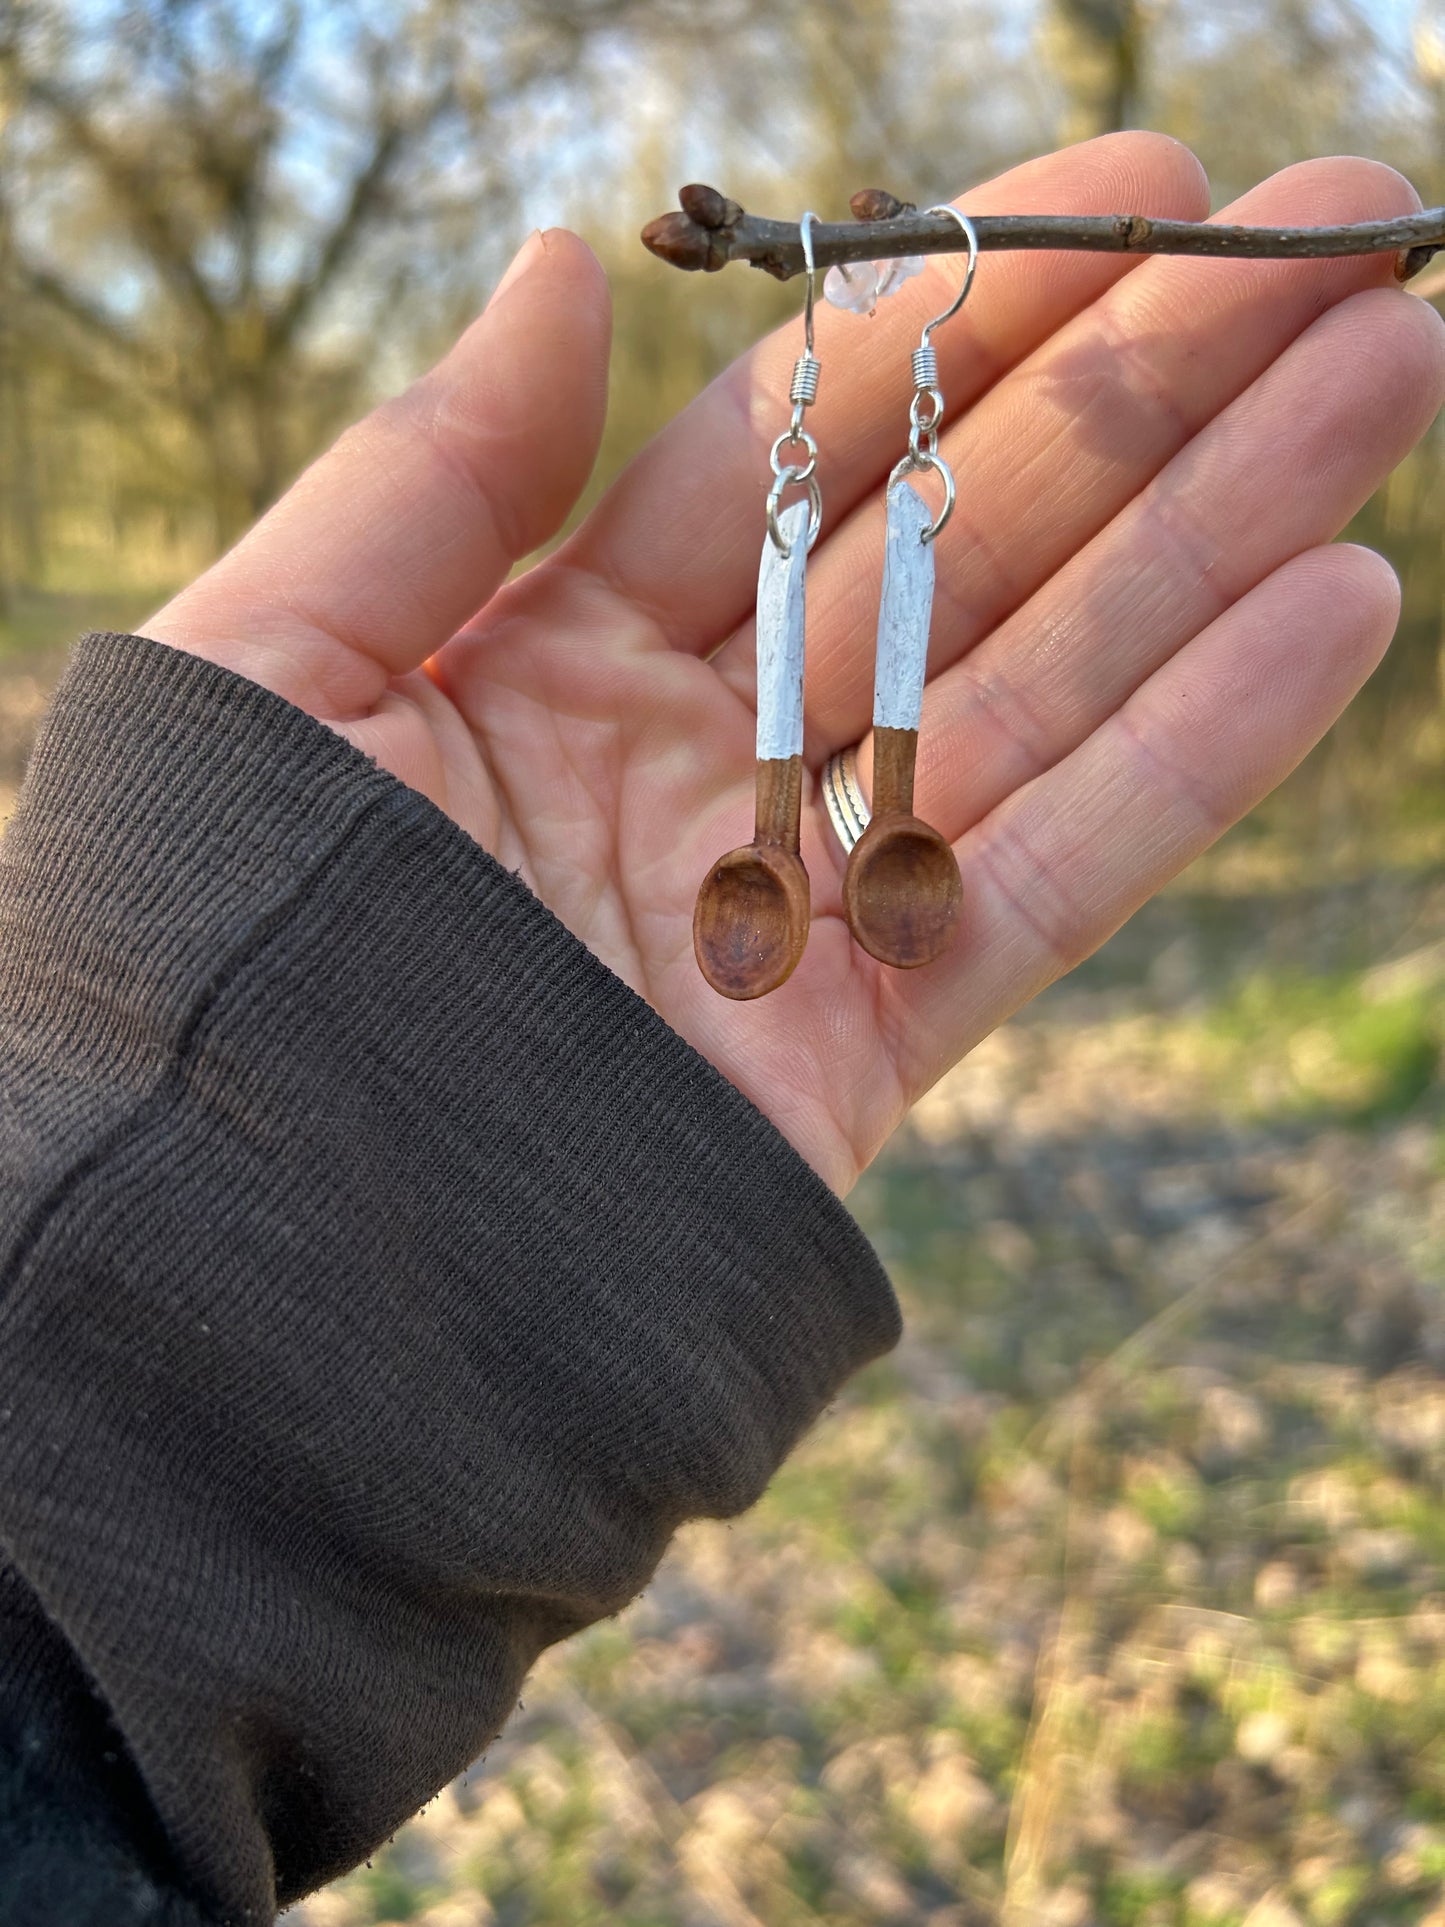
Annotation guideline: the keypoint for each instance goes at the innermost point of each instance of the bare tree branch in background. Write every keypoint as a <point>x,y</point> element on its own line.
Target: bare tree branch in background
<point>188,171</point>
<point>207,201</point>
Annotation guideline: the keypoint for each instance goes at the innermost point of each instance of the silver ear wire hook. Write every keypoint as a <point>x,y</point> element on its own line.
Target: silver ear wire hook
<point>805,235</point>
<point>958,300</point>
<point>801,392</point>
<point>923,428</point>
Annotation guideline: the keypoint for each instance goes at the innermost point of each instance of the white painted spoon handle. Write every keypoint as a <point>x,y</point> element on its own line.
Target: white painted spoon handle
<point>780,638</point>
<point>904,612</point>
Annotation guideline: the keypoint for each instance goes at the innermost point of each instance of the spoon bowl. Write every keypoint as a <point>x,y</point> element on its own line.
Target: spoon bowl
<point>750,924</point>
<point>902,891</point>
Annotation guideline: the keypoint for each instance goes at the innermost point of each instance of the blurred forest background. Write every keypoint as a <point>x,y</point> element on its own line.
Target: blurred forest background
<point>1116,1594</point>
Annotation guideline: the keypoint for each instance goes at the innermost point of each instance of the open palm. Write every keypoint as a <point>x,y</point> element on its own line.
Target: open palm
<point>1137,629</point>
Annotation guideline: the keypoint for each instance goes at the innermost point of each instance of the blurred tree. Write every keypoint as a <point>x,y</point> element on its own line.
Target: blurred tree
<point>11,425</point>
<point>228,221</point>
<point>223,207</point>
<point>191,228</point>
<point>1096,49</point>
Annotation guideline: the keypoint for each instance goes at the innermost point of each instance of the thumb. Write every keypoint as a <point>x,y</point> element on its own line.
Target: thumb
<point>405,527</point>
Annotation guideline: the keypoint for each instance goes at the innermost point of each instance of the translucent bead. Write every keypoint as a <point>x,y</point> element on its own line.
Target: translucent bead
<point>852,286</point>
<point>892,274</point>
<point>859,286</point>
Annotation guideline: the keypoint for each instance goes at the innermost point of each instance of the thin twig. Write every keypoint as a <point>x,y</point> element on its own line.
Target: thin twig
<point>711,230</point>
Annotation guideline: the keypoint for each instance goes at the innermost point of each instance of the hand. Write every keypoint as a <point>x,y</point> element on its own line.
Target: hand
<point>1137,630</point>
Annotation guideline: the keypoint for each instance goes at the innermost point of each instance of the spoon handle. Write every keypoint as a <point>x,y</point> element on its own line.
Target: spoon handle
<point>780,682</point>
<point>779,808</point>
<point>895,752</point>
<point>904,614</point>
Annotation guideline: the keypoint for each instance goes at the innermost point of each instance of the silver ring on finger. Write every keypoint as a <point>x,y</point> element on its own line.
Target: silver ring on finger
<point>843,797</point>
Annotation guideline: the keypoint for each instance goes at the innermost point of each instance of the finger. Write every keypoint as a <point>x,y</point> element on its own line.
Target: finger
<point>1055,869</point>
<point>1281,469</point>
<point>395,536</point>
<point>677,535</point>
<point>1057,448</point>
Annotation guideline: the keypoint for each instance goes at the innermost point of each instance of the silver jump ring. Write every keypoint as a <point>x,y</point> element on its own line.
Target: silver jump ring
<point>915,413</point>
<point>794,438</point>
<point>815,507</point>
<point>911,464</point>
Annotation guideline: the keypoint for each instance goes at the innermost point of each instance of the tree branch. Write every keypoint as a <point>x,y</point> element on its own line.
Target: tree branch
<point>138,189</point>
<point>712,230</point>
<point>367,186</point>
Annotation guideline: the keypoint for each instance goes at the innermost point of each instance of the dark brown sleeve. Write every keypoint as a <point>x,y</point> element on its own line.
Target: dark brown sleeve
<point>381,1280</point>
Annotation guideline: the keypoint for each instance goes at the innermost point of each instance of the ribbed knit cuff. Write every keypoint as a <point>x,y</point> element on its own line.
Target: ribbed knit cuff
<point>381,1280</point>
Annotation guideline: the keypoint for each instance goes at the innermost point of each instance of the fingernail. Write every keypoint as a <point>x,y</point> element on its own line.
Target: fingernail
<point>522,260</point>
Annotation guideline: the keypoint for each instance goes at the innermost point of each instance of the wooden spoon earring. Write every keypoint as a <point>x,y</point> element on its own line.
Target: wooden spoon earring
<point>750,925</point>
<point>902,891</point>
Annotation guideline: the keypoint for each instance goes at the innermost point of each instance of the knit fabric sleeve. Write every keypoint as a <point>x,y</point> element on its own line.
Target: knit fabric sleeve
<point>382,1282</point>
